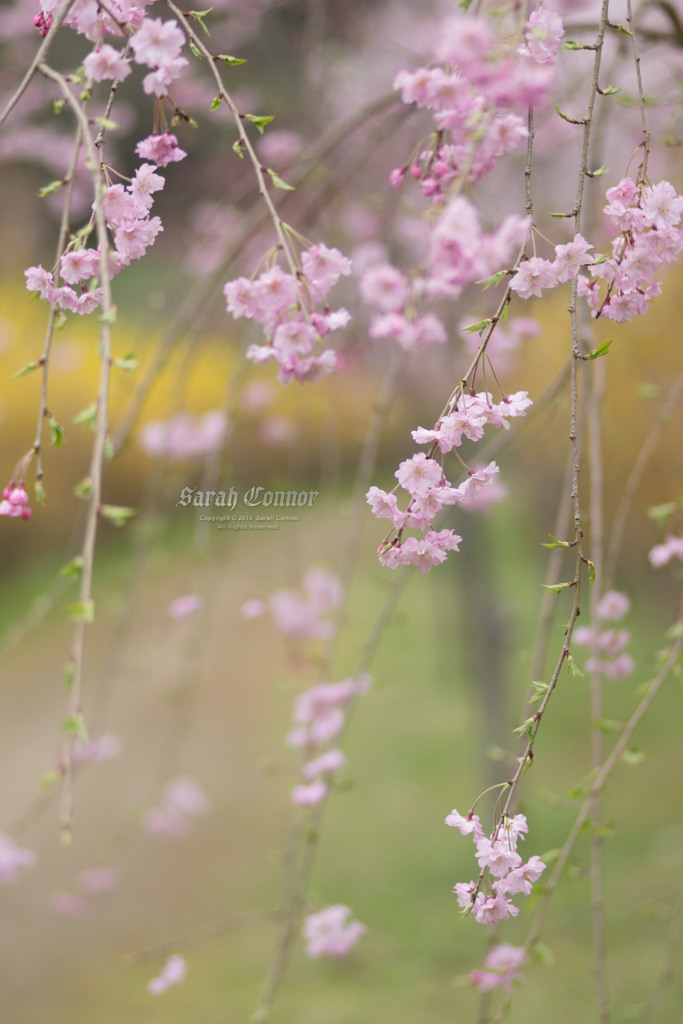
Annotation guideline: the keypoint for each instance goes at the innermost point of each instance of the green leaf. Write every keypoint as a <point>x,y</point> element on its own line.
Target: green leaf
<point>118,515</point>
<point>215,104</point>
<point>87,416</point>
<point>540,690</point>
<point>600,171</point>
<point>591,571</point>
<point>72,568</point>
<point>479,327</point>
<point>565,117</point>
<point>633,757</point>
<point>608,725</point>
<point>278,182</point>
<point>555,588</point>
<point>232,61</point>
<point>238,147</point>
<point>105,122</point>
<point>526,726</point>
<point>74,726</point>
<point>601,350</point>
<point>127,363</point>
<point>56,431</point>
<point>109,450</point>
<point>82,611</point>
<point>41,493</point>
<point>611,90</point>
<point>258,120</point>
<point>626,30</point>
<point>543,954</point>
<point>557,543</point>
<point>49,778</point>
<point>573,668</point>
<point>561,215</point>
<point>58,106</point>
<point>199,16</point>
<point>83,490</point>
<point>47,190</point>
<point>194,49</point>
<point>571,45</point>
<point>493,280</point>
<point>661,513</point>
<point>108,316</point>
<point>29,368</point>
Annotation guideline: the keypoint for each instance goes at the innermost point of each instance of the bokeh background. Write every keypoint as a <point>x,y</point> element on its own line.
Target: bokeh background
<point>211,696</point>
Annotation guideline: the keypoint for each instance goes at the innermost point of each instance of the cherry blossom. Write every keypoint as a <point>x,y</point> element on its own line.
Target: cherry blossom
<point>329,932</point>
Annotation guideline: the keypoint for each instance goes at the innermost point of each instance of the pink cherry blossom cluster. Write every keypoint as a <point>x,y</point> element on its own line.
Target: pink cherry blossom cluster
<point>184,436</point>
<point>329,932</point>
<point>13,858</point>
<point>648,218</point>
<point>497,856</point>
<point>501,968</point>
<point>478,90</point>
<point>425,482</point>
<point>172,973</point>
<point>460,252</point>
<point>318,718</point>
<point>182,799</point>
<point>15,501</point>
<point>94,880</point>
<point>662,554</point>
<point>293,312</point>
<point>609,645</point>
<point>127,214</point>
<point>303,613</point>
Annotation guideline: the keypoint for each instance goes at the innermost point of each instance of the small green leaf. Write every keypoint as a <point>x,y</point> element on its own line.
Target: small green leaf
<point>493,280</point>
<point>72,568</point>
<point>278,182</point>
<point>600,171</point>
<point>540,690</point>
<point>238,147</point>
<point>47,190</point>
<point>525,726</point>
<point>118,515</point>
<point>83,490</point>
<point>48,779</point>
<point>571,45</point>
<point>561,215</point>
<point>258,120</point>
<point>608,725</point>
<point>109,450</point>
<point>215,104</point>
<point>58,106</point>
<point>194,49</point>
<point>565,117</point>
<point>626,30</point>
<point>69,675</point>
<point>601,350</point>
<point>127,363</point>
<point>573,668</point>
<point>232,61</point>
<point>41,493</point>
<point>479,327</point>
<point>199,16</point>
<point>611,90</point>
<point>555,588</point>
<point>82,611</point>
<point>29,368</point>
<point>108,316</point>
<point>56,431</point>
<point>661,513</point>
<point>87,416</point>
<point>557,543</point>
<point>591,571</point>
<point>74,726</point>
<point>104,122</point>
<point>633,757</point>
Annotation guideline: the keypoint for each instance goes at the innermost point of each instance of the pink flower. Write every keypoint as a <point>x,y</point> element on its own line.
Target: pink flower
<point>99,879</point>
<point>386,287</point>
<point>13,858</point>
<point>38,280</point>
<point>157,42</point>
<point>418,474</point>
<point>308,796</point>
<point>79,265</point>
<point>501,968</point>
<point>323,267</point>
<point>160,149</point>
<point>186,796</point>
<point>15,503</point>
<point>68,904</point>
<point>532,277</point>
<point>252,609</point>
<point>543,34</point>
<point>568,258</point>
<point>144,185</point>
<point>496,856</point>
<point>663,553</point>
<point>184,606</point>
<point>132,238</point>
<point>329,932</point>
<point>662,205</point>
<point>173,972</point>
<point>465,826</point>
<point>104,63</point>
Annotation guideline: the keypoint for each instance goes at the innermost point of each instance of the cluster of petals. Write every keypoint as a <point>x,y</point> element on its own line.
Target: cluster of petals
<point>182,799</point>
<point>330,932</point>
<point>496,854</point>
<point>319,716</point>
<point>15,502</point>
<point>429,491</point>
<point>661,554</point>
<point>304,613</point>
<point>293,313</point>
<point>478,91</point>
<point>13,858</point>
<point>607,646</point>
<point>184,436</point>
<point>535,274</point>
<point>501,968</point>
<point>172,973</point>
<point>90,882</point>
<point>126,211</point>
<point>648,219</point>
